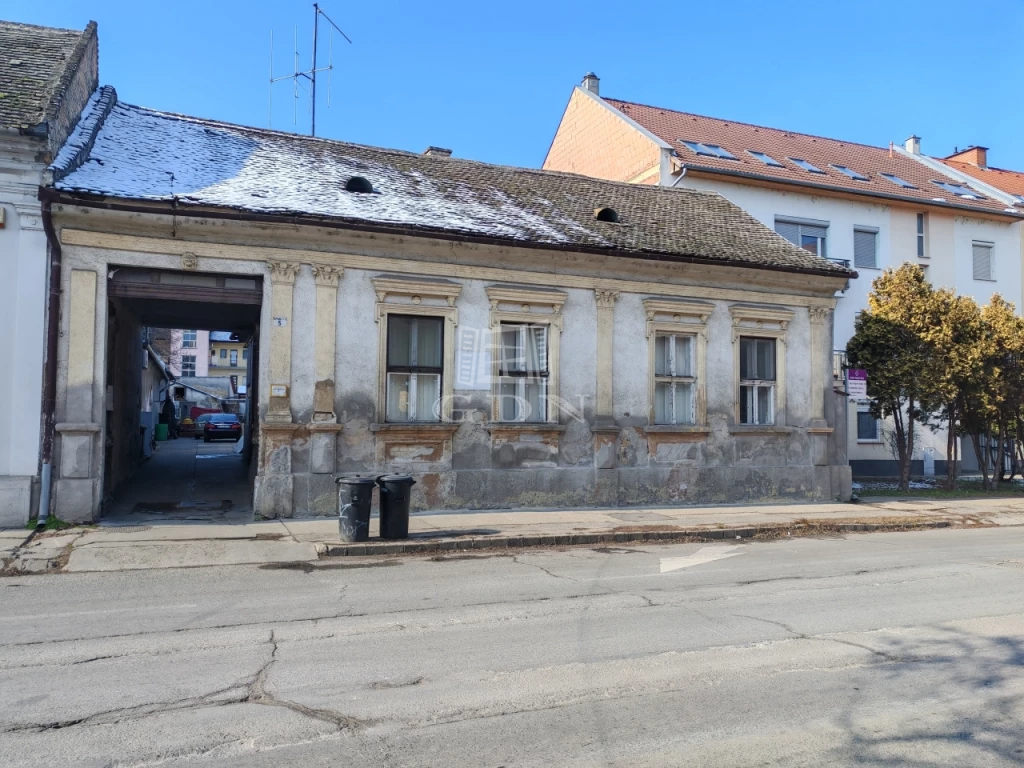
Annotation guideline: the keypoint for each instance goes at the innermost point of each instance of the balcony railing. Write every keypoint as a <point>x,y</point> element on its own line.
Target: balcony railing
<point>839,365</point>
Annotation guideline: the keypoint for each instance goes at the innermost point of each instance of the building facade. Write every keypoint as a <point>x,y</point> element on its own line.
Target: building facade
<point>46,77</point>
<point>190,352</point>
<point>867,207</point>
<point>510,337</point>
<point>228,355</point>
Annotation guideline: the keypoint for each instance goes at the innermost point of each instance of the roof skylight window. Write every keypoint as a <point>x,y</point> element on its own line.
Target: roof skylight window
<point>805,165</point>
<point>850,172</point>
<point>709,150</point>
<point>959,190</point>
<point>723,153</point>
<point>766,159</point>
<point>897,180</point>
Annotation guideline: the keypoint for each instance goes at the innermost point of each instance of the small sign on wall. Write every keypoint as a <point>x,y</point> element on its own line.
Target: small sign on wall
<point>857,383</point>
<point>279,390</point>
<point>280,322</point>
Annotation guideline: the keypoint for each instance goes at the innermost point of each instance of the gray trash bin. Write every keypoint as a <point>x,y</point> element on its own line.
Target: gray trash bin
<point>395,493</point>
<point>355,497</point>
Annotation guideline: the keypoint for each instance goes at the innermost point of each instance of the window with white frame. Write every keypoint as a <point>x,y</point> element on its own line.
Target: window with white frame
<point>811,236</point>
<point>233,359</point>
<point>865,247</point>
<point>675,380</point>
<point>188,365</point>
<point>188,339</point>
<point>415,363</point>
<point>921,252</point>
<point>982,256</point>
<point>867,426</point>
<point>757,380</point>
<point>523,373</point>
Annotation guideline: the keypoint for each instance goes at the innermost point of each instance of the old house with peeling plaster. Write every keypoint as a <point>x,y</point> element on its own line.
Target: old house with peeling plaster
<point>510,337</point>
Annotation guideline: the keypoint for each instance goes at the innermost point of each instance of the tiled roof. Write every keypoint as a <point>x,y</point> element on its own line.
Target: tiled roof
<point>1011,182</point>
<point>140,154</point>
<point>676,127</point>
<point>36,64</point>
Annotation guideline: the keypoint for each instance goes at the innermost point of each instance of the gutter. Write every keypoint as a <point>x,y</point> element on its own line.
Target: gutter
<point>865,192</point>
<point>50,365</point>
<point>56,196</point>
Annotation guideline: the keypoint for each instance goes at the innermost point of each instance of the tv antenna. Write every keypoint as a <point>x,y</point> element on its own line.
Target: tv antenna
<point>300,77</point>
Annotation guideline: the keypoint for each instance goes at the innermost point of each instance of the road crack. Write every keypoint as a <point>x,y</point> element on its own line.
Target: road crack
<point>249,690</point>
<point>827,639</point>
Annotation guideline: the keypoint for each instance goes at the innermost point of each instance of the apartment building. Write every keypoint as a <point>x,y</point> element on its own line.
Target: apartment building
<point>866,207</point>
<point>228,355</point>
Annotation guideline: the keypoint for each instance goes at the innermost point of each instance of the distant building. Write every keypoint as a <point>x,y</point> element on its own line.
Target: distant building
<point>228,356</point>
<point>861,206</point>
<point>189,352</point>
<point>46,78</point>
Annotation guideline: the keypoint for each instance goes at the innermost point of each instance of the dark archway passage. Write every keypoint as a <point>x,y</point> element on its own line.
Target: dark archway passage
<point>154,319</point>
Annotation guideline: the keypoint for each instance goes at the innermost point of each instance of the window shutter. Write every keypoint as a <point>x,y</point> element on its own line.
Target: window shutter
<point>982,261</point>
<point>812,231</point>
<point>864,247</point>
<point>789,231</point>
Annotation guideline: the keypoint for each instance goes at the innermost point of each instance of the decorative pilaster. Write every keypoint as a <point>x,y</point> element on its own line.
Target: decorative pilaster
<point>820,357</point>
<point>326,326</point>
<point>282,286</point>
<point>605,299</point>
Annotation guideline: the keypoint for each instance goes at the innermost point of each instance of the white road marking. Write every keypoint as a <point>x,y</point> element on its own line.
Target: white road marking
<point>701,556</point>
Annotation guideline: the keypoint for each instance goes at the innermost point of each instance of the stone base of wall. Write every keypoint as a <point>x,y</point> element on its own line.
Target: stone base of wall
<point>863,468</point>
<point>15,501</point>
<point>564,487</point>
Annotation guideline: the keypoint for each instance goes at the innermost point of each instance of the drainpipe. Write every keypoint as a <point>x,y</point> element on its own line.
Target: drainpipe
<point>50,368</point>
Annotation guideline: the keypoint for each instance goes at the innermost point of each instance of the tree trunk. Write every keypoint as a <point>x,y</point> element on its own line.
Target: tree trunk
<point>951,447</point>
<point>907,452</point>
<point>982,456</point>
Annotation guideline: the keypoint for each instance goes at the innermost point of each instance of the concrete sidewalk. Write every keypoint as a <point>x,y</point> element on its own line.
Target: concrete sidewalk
<point>178,544</point>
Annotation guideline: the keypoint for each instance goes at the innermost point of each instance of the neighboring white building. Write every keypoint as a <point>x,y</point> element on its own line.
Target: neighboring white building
<point>46,77</point>
<point>869,207</point>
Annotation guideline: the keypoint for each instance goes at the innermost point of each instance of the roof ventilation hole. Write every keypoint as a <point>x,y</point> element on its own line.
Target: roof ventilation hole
<point>606,214</point>
<point>358,184</point>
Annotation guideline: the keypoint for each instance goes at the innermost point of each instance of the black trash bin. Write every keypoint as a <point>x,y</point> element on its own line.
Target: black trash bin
<point>395,491</point>
<point>355,497</point>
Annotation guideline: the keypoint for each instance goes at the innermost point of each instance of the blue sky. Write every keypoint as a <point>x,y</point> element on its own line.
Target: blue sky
<point>490,80</point>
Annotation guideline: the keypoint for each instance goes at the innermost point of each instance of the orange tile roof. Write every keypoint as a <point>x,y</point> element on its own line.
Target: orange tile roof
<point>675,127</point>
<point>1000,178</point>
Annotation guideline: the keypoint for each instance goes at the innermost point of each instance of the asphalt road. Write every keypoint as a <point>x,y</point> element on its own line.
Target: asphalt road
<point>881,649</point>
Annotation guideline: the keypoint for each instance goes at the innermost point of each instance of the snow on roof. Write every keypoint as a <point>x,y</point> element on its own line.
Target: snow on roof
<point>220,335</point>
<point>136,153</point>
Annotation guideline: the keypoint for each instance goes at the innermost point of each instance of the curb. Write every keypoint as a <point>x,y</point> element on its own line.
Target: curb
<point>617,537</point>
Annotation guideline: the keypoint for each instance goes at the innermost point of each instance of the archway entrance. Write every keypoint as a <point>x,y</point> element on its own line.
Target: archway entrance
<point>181,384</point>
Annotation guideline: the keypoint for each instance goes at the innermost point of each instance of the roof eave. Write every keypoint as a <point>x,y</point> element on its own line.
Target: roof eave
<point>177,208</point>
<point>1016,216</point>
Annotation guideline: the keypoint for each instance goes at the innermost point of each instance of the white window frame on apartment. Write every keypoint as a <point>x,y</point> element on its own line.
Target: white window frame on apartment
<point>990,253</point>
<point>761,322</point>
<point>865,233</point>
<point>800,224</point>
<point>189,343</point>
<point>233,358</point>
<point>525,308</point>
<point>418,298</point>
<point>922,242</point>
<point>674,318</point>
<point>188,360</point>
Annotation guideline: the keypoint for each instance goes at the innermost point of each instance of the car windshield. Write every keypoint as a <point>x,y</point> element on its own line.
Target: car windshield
<point>204,417</point>
<point>224,417</point>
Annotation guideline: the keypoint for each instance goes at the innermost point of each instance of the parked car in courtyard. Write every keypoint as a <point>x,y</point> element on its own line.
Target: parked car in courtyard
<point>222,426</point>
<point>199,428</point>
